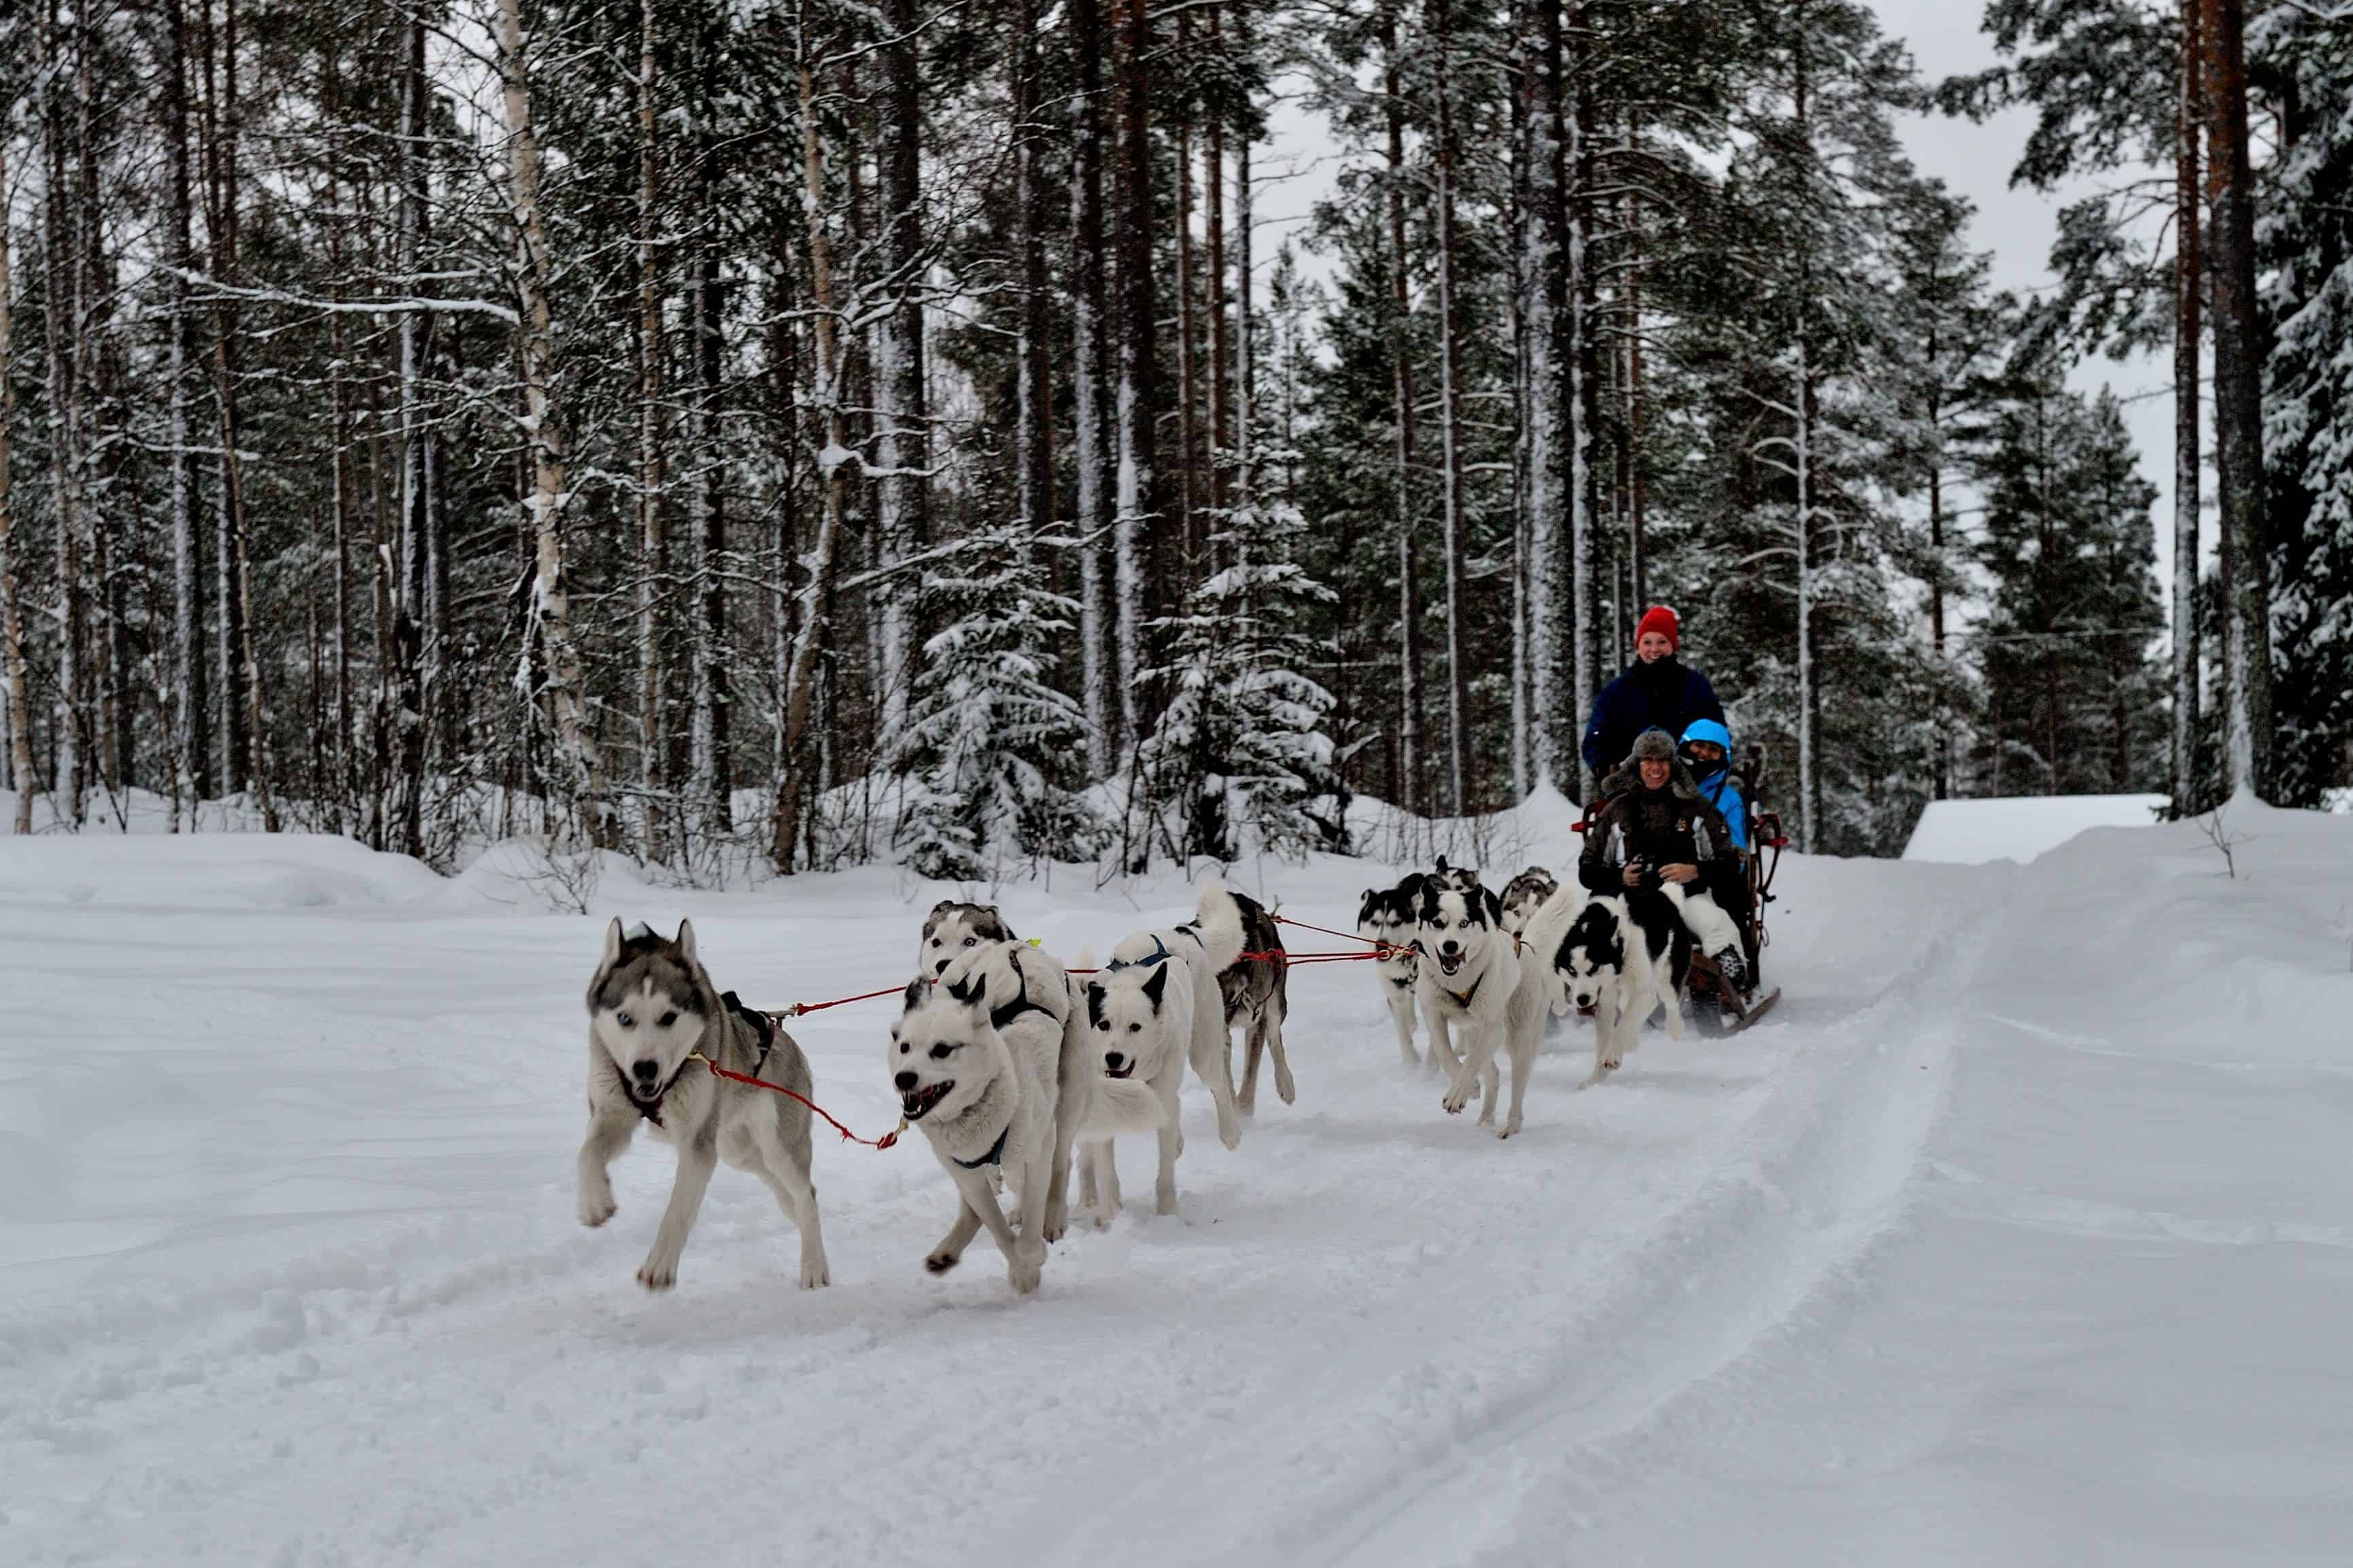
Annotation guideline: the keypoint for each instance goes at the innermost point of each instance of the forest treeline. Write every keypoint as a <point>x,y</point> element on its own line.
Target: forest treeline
<point>798,431</point>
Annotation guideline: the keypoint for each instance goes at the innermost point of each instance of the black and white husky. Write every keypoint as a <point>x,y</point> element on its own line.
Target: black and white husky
<point>1622,957</point>
<point>1388,916</point>
<point>1155,1006</point>
<point>1473,979</point>
<point>981,1058</point>
<point>655,1020</point>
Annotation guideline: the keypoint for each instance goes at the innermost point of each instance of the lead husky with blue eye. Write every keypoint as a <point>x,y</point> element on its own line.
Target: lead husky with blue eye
<point>655,1021</point>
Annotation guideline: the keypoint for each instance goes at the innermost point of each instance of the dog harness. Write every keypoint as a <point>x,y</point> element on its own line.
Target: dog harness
<point>996,1155</point>
<point>1159,954</point>
<point>1000,1016</point>
<point>1462,1000</point>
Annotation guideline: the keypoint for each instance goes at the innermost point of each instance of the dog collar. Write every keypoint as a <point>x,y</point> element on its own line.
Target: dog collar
<point>996,1154</point>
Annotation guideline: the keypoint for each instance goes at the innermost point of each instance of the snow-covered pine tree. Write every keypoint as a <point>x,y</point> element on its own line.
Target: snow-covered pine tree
<point>994,747</point>
<point>2072,680</point>
<point>1244,752</point>
<point>2306,238</point>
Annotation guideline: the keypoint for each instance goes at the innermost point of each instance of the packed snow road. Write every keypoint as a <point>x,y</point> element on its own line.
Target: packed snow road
<point>2021,1233</point>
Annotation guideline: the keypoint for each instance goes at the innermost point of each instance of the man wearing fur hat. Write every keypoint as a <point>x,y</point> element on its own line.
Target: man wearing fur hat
<point>1656,691</point>
<point>1656,833</point>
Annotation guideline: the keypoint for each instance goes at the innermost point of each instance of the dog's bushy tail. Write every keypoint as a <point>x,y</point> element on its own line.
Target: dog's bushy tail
<point>1221,925</point>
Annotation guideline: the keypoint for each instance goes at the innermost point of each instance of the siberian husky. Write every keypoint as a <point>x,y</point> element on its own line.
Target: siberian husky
<point>655,1022</point>
<point>1623,956</point>
<point>1523,895</point>
<point>953,930</point>
<point>1472,977</point>
<point>1388,916</point>
<point>1156,1006</point>
<point>1257,994</point>
<point>979,1057</point>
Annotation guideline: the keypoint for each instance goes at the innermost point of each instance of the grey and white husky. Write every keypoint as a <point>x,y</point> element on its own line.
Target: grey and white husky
<point>655,1020</point>
<point>1390,916</point>
<point>953,930</point>
<point>1155,1006</point>
<point>978,1059</point>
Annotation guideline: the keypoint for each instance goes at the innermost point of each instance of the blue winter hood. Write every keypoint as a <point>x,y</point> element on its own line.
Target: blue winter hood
<point>1709,730</point>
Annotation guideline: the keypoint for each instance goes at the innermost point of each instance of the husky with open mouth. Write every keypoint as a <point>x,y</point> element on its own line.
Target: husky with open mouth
<point>1473,977</point>
<point>1155,1006</point>
<point>655,1023</point>
<point>980,1057</point>
<point>1620,959</point>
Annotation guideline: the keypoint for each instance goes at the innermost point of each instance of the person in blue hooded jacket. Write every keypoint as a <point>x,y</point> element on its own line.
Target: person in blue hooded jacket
<point>1657,691</point>
<point>1707,747</point>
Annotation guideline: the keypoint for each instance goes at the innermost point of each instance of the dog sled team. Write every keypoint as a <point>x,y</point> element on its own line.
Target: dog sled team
<point>1012,1067</point>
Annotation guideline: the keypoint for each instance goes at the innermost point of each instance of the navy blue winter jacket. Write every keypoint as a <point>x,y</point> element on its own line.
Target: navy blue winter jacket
<point>1665,696</point>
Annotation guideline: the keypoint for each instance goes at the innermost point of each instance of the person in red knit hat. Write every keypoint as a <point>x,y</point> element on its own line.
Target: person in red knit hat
<point>1657,691</point>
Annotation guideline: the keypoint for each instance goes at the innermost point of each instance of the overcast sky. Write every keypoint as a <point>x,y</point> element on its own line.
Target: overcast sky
<point>2015,226</point>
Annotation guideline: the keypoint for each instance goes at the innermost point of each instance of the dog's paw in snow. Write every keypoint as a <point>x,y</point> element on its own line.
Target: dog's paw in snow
<point>941,1260</point>
<point>595,1208</point>
<point>1458,1095</point>
<point>814,1273</point>
<point>657,1273</point>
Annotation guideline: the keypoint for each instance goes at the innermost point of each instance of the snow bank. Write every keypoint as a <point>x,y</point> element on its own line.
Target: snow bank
<point>2020,828</point>
<point>2018,1235</point>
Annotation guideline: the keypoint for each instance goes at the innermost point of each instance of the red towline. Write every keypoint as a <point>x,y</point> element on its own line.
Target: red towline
<point>1272,955</point>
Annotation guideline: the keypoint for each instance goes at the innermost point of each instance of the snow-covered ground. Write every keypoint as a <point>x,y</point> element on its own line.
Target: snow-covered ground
<point>2020,828</point>
<point>2022,1234</point>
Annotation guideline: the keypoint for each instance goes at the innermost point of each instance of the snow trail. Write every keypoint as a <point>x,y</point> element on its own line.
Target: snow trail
<point>2037,1170</point>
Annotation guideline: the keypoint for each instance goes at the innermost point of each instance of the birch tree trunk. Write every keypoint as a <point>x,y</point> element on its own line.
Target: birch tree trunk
<point>1584,396</point>
<point>1089,365</point>
<point>191,719</point>
<point>1245,361</point>
<point>12,611</point>
<point>1217,437</point>
<point>1033,383</point>
<point>1449,395</point>
<point>2189,282</point>
<point>1408,565</point>
<point>653,545</point>
<point>64,443</point>
<point>706,500</point>
<point>901,447</point>
<point>583,775</point>
<point>1543,290</point>
<point>1133,404</point>
<point>800,675</point>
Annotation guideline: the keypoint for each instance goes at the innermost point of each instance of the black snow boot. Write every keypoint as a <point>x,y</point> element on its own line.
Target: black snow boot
<point>1734,967</point>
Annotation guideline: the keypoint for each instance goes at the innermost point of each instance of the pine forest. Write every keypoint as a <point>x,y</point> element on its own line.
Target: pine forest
<point>775,434</point>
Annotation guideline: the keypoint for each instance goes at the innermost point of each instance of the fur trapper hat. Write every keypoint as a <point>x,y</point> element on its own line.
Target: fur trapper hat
<point>1658,743</point>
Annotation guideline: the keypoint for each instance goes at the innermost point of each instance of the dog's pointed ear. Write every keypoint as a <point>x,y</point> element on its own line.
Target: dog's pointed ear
<point>1094,989</point>
<point>941,908</point>
<point>686,940</point>
<point>917,989</point>
<point>612,945</point>
<point>967,989</point>
<point>1157,986</point>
